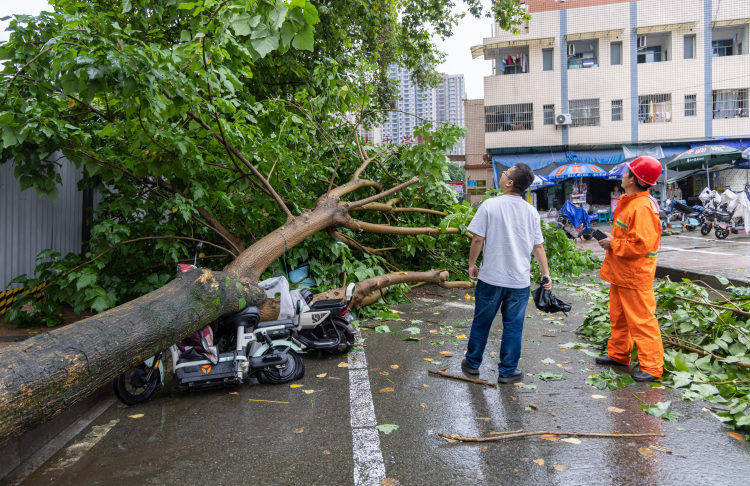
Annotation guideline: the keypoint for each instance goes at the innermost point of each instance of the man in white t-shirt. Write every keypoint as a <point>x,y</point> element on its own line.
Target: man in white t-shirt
<point>509,230</point>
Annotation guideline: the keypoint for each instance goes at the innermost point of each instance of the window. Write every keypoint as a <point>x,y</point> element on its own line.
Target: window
<point>730,103</point>
<point>653,47</point>
<point>729,41</point>
<point>547,60</point>
<point>689,46</point>
<point>655,108</point>
<point>615,53</point>
<point>616,110</point>
<point>549,114</point>
<point>513,60</point>
<point>690,105</point>
<point>508,118</point>
<point>584,113</point>
<point>583,54</point>
<point>723,47</point>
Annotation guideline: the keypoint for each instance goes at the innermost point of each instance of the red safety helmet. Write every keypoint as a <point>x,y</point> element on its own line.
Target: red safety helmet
<point>646,169</point>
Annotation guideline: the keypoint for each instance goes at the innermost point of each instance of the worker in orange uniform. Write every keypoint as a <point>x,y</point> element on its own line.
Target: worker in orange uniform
<point>629,266</point>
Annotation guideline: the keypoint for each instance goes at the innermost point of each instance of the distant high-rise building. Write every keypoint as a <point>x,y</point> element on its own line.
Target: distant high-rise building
<point>416,105</point>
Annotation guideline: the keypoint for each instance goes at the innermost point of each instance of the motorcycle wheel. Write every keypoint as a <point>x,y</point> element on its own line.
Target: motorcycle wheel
<point>721,233</point>
<point>705,229</point>
<point>130,388</point>
<point>291,369</point>
<point>344,330</point>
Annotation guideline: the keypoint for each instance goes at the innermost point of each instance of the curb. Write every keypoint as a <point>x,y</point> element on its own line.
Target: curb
<point>677,274</point>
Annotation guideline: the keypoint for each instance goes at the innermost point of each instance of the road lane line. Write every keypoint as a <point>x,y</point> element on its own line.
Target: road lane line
<point>369,468</point>
<point>700,251</point>
<point>713,240</point>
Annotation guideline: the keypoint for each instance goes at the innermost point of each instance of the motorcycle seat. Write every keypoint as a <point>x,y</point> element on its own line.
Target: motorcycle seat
<point>329,304</point>
<point>279,322</point>
<point>246,317</point>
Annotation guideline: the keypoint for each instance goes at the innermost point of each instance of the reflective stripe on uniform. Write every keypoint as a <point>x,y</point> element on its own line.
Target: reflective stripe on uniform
<point>652,254</point>
<point>621,224</point>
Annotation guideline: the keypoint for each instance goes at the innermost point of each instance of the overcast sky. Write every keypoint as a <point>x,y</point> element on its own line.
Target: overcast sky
<point>458,60</point>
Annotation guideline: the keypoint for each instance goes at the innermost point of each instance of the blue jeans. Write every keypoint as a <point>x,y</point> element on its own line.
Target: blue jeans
<point>512,304</point>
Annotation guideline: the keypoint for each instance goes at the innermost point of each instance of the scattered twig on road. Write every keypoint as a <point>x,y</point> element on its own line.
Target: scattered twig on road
<point>462,378</point>
<point>541,432</point>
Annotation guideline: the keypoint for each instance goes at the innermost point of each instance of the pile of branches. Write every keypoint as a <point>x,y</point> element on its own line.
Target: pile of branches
<point>706,335</point>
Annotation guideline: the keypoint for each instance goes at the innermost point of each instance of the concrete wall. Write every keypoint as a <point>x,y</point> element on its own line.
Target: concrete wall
<point>474,119</point>
<point>677,76</point>
<point>30,223</point>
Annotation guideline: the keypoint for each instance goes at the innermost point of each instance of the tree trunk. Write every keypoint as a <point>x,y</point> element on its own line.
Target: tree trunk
<point>47,373</point>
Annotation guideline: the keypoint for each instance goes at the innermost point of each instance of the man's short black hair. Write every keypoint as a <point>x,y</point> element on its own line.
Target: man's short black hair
<point>522,177</point>
<point>641,185</point>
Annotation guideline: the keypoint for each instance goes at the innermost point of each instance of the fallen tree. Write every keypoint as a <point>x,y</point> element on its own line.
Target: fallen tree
<point>209,122</point>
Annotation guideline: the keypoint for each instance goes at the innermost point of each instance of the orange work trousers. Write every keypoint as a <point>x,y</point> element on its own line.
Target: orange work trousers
<point>631,313</point>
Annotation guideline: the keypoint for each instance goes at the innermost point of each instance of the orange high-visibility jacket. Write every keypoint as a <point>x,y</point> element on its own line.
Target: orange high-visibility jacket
<point>636,232</point>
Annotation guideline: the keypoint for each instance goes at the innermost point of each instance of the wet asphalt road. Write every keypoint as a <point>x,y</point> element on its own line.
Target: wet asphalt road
<point>282,435</point>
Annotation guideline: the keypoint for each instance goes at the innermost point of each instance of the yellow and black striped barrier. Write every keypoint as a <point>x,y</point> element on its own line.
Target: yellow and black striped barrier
<point>8,297</point>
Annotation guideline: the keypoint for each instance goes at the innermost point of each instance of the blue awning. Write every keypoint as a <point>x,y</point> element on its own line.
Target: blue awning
<point>738,143</point>
<point>540,160</point>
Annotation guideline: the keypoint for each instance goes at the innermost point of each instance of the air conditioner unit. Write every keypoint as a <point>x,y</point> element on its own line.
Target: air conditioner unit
<point>642,42</point>
<point>563,119</point>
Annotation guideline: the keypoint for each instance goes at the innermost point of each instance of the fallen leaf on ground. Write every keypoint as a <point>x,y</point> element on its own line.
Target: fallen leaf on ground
<point>615,409</point>
<point>524,459</point>
<point>264,401</point>
<point>433,331</point>
<point>486,419</point>
<point>388,482</point>
<point>539,461</point>
<point>425,385</point>
<point>384,373</point>
<point>571,440</point>
<point>296,385</point>
<point>423,405</point>
<point>394,367</point>
<point>735,435</point>
<point>646,452</point>
<point>373,369</point>
<point>327,452</point>
<point>446,353</point>
<point>436,313</point>
<point>343,364</point>
<point>334,378</point>
<point>136,415</point>
<point>386,428</point>
<point>461,336</point>
<point>427,359</point>
<point>559,467</point>
<point>322,375</point>
<point>387,389</point>
<point>299,431</point>
<point>234,393</point>
<point>309,391</point>
<point>598,396</point>
<point>534,406</point>
<point>483,448</point>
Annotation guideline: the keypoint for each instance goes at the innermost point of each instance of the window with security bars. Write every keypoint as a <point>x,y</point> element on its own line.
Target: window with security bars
<point>549,114</point>
<point>508,118</point>
<point>655,108</point>
<point>584,113</point>
<point>690,105</point>
<point>616,110</point>
<point>730,103</point>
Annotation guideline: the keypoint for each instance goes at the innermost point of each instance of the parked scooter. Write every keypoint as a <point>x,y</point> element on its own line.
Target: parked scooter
<point>326,325</point>
<point>262,350</point>
<point>575,221</point>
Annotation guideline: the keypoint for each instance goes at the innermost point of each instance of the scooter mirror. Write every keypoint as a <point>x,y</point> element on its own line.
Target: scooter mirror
<point>350,290</point>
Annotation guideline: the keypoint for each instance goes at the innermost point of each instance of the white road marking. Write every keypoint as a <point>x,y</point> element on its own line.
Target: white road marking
<point>74,452</point>
<point>713,240</point>
<point>28,467</point>
<point>688,250</point>
<point>369,468</point>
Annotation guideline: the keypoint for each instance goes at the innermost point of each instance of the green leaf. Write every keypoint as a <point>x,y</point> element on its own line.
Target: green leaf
<point>383,329</point>
<point>722,280</point>
<point>412,330</point>
<point>100,304</point>
<point>126,6</point>
<point>244,24</point>
<point>304,39</point>
<point>85,280</point>
<point>549,376</point>
<point>680,365</point>
<point>386,428</point>
<point>9,137</point>
<point>242,303</point>
<point>265,44</point>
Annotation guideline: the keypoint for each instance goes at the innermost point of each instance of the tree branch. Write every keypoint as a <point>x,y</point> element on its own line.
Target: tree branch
<point>381,195</point>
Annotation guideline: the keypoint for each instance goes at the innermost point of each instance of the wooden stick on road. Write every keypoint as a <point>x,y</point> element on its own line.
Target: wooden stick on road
<point>540,432</point>
<point>462,378</point>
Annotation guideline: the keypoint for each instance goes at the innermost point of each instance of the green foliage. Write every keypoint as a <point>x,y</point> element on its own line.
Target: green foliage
<point>456,173</point>
<point>609,380</point>
<point>549,376</point>
<point>661,410</point>
<point>690,332</point>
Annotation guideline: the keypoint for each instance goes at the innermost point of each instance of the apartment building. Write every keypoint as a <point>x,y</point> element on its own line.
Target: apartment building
<point>415,104</point>
<point>600,80</point>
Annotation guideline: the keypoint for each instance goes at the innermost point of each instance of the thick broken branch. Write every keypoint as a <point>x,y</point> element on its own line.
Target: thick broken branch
<point>381,195</point>
<point>463,378</point>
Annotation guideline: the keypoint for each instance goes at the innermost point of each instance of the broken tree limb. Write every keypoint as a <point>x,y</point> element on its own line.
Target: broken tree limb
<point>462,378</point>
<point>47,373</point>
<point>494,438</point>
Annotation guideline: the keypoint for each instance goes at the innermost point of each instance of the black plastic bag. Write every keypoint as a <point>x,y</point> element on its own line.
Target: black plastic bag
<point>546,301</point>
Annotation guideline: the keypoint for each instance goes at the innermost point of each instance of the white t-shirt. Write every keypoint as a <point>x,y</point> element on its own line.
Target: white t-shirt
<point>511,228</point>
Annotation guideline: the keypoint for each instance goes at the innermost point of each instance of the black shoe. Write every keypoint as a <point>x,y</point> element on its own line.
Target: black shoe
<point>505,379</point>
<point>468,369</point>
<point>643,376</point>
<point>607,361</point>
